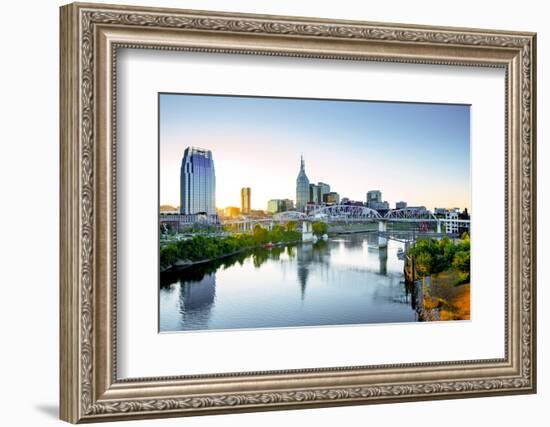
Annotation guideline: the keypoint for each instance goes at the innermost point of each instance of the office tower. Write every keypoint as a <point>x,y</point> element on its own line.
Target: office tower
<point>245,200</point>
<point>197,182</point>
<point>302,188</point>
<point>314,194</point>
<point>322,190</point>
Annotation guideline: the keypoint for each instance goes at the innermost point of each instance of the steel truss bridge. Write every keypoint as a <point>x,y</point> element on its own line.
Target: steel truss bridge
<point>347,214</point>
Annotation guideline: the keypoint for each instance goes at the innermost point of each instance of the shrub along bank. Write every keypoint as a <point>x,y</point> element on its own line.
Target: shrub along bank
<point>434,256</point>
<point>200,248</point>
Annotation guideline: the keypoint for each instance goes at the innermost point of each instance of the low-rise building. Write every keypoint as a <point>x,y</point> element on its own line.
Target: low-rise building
<point>231,212</point>
<point>348,202</point>
<point>417,208</point>
<point>379,206</point>
<point>332,198</point>
<point>374,201</point>
<point>452,224</point>
<point>280,205</point>
<point>257,213</point>
<point>177,222</point>
<point>464,227</point>
<point>374,196</point>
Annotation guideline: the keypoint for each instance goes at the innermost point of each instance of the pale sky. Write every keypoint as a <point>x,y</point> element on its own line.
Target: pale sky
<point>419,153</point>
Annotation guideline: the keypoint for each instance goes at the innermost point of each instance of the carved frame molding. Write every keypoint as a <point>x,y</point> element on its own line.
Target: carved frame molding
<point>90,37</point>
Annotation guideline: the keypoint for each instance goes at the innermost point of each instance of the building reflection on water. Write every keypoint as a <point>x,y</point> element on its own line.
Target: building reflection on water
<point>197,299</point>
<point>304,258</point>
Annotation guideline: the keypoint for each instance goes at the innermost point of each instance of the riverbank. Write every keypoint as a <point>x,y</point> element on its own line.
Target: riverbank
<point>458,307</point>
<point>446,296</point>
<point>182,264</point>
<point>203,248</point>
<point>442,269</point>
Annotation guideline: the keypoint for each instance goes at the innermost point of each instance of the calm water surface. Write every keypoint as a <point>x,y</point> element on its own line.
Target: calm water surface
<point>345,280</point>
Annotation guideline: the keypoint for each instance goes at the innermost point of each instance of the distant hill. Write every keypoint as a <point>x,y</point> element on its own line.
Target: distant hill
<point>167,208</point>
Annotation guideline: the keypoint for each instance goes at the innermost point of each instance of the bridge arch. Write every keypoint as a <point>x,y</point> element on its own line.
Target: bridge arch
<point>344,212</point>
<point>411,214</point>
<point>289,216</point>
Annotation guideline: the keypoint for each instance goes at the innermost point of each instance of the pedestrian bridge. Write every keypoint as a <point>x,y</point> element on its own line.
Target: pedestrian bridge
<point>344,213</point>
<point>347,214</point>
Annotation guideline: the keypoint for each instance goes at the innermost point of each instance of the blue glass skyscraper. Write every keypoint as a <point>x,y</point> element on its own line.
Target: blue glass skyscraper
<point>197,182</point>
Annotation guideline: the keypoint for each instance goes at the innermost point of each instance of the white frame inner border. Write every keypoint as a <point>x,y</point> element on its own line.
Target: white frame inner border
<point>144,352</point>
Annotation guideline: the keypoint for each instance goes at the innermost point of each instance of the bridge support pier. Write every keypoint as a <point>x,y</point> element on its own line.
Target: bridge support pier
<point>307,231</point>
<point>382,228</point>
<point>439,227</point>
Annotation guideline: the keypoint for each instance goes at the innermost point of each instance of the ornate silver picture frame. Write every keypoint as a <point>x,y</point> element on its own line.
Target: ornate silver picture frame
<point>91,35</point>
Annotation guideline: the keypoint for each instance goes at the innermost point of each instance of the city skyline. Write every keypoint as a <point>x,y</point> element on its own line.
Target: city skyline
<point>418,153</point>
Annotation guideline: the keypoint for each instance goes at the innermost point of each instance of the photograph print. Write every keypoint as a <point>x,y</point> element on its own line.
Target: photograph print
<point>292,212</point>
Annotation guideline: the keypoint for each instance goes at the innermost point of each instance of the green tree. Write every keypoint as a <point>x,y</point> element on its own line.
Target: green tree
<point>277,233</point>
<point>291,226</point>
<point>461,261</point>
<point>424,264</point>
<point>168,255</point>
<point>319,228</point>
<point>433,256</point>
<point>260,234</point>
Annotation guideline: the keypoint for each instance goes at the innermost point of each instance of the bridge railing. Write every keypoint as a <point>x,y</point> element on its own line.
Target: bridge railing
<point>351,213</point>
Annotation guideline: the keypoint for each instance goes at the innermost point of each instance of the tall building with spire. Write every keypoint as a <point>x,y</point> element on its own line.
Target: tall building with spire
<point>197,182</point>
<point>302,188</point>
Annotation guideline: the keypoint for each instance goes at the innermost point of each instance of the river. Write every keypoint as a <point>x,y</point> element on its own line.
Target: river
<point>346,280</point>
